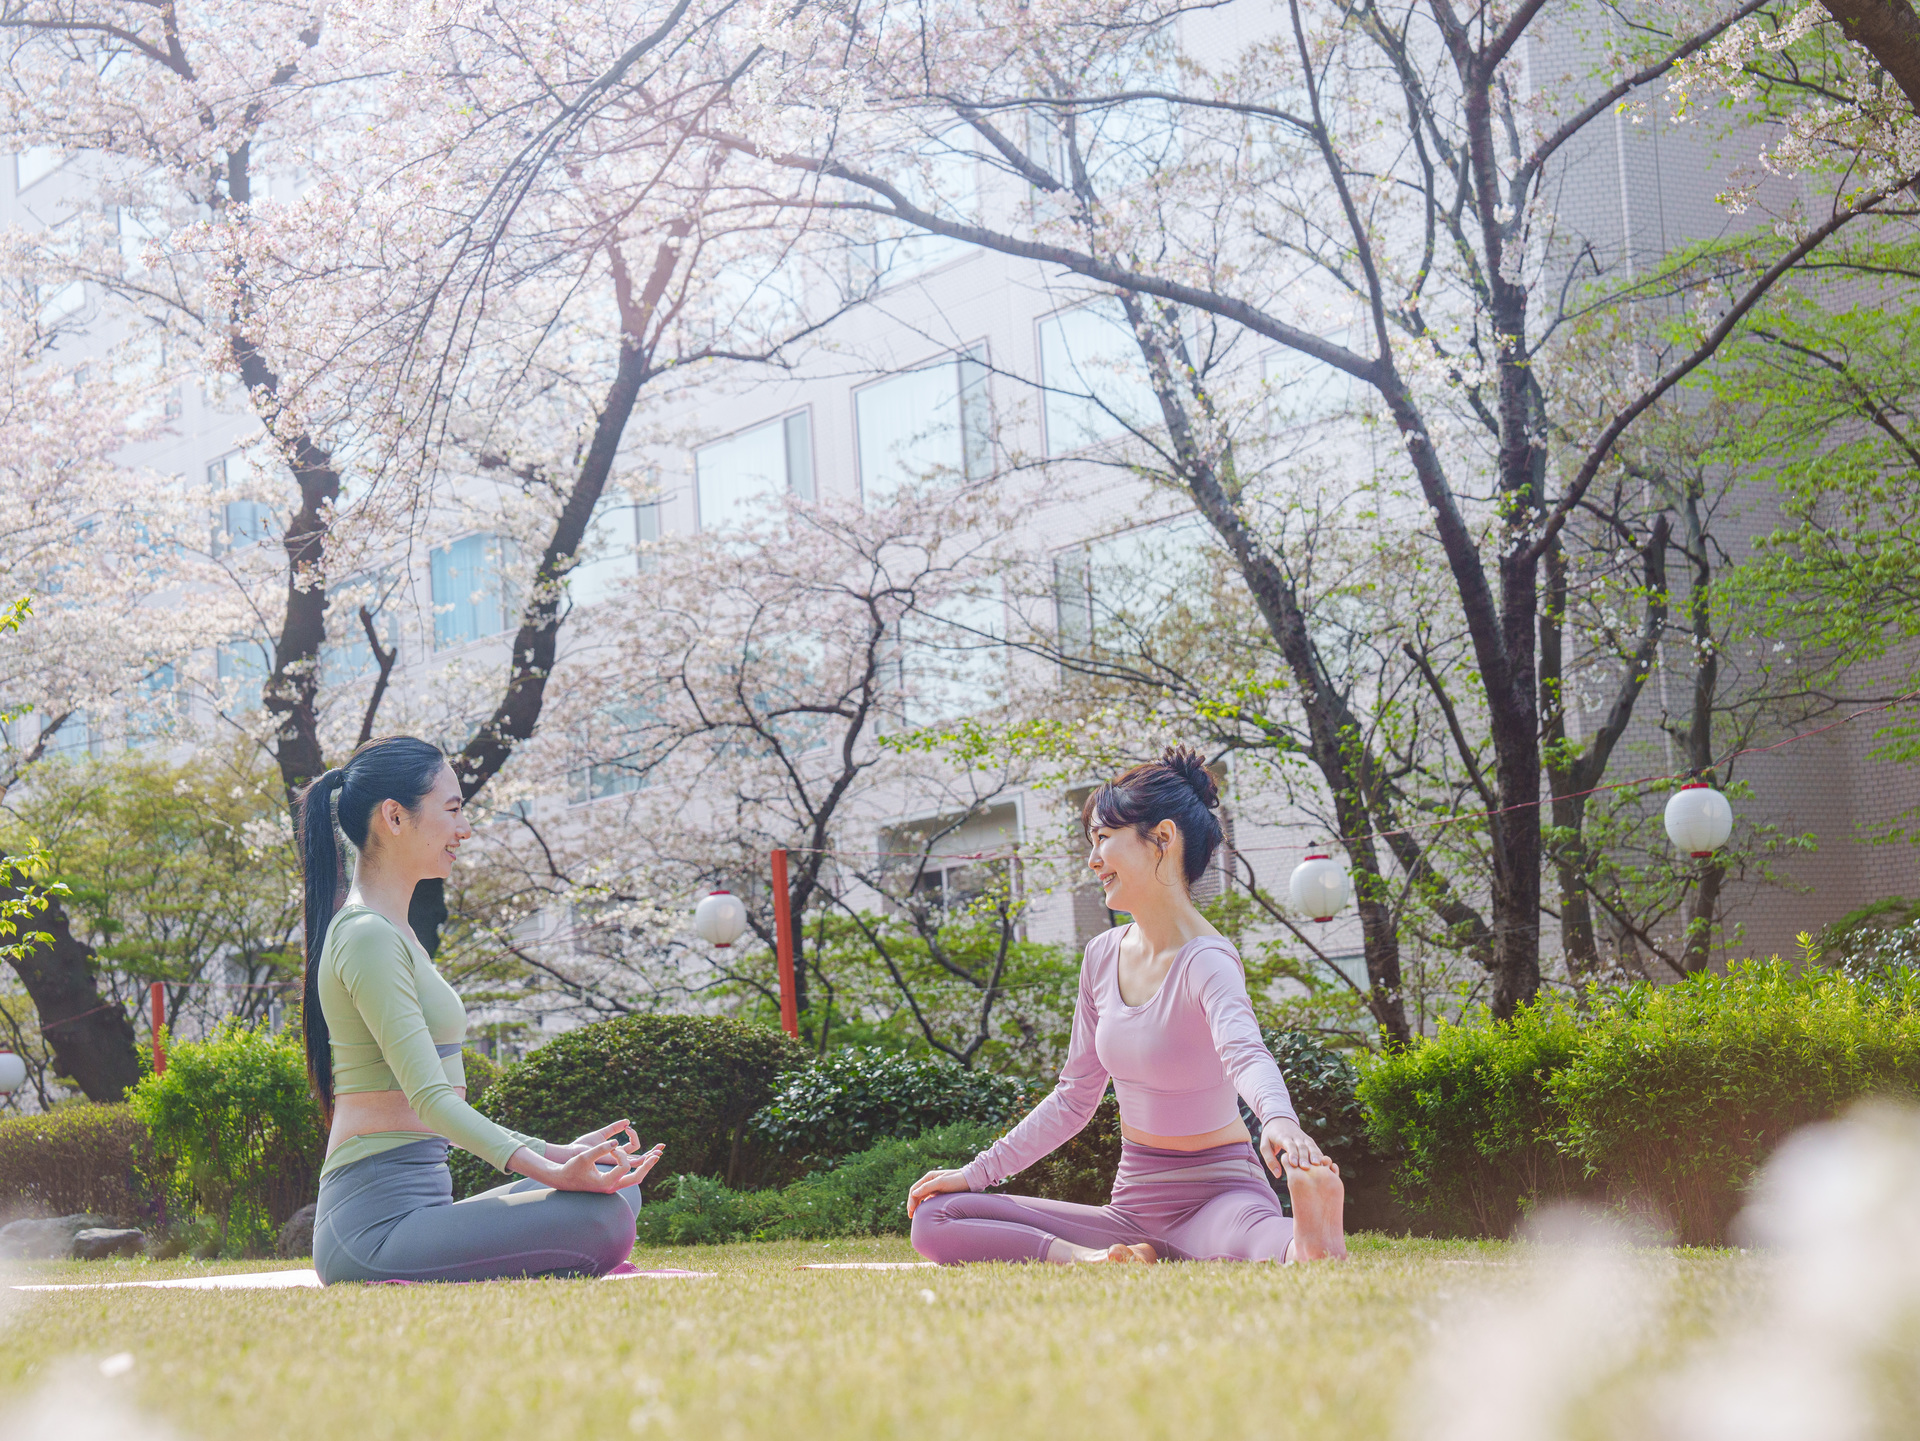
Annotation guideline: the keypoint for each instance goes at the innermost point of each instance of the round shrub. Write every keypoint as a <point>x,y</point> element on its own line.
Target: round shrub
<point>1082,1169</point>
<point>236,1131</point>
<point>1874,943</point>
<point>866,1194</point>
<point>860,1096</point>
<point>1324,1085</point>
<point>481,1071</point>
<point>690,1081</point>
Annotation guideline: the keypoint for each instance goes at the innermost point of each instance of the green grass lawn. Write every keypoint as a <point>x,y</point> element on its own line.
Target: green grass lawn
<point>762,1350</point>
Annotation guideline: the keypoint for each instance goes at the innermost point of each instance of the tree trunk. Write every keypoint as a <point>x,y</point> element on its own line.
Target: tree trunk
<point>1703,912</point>
<point>1570,861</point>
<point>91,1038</point>
<point>1889,30</point>
<point>536,644</point>
<point>1330,725</point>
<point>290,693</point>
<point>427,913</point>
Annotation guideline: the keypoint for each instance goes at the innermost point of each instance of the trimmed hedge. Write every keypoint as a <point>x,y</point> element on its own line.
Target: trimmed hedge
<point>1466,1122</point>
<point>690,1081</point>
<point>1678,1094</point>
<point>78,1158</point>
<point>865,1195</point>
<point>1664,1099</point>
<point>858,1097</point>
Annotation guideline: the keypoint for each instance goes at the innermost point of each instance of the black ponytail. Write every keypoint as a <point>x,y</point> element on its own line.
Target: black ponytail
<point>1177,787</point>
<point>397,768</point>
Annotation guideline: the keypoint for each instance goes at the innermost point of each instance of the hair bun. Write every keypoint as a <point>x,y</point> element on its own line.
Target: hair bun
<point>1185,762</point>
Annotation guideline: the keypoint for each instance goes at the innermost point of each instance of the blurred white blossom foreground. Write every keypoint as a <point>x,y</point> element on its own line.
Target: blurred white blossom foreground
<point>1599,1337</point>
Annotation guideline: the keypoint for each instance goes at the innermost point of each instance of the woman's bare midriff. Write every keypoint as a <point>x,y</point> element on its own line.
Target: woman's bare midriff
<point>362,1113</point>
<point>1225,1136</point>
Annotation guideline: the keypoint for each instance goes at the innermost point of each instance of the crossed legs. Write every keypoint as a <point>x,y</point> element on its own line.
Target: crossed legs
<point>1238,1223</point>
<point>392,1217</point>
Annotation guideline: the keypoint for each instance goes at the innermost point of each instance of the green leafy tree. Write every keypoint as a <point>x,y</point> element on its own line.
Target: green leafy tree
<point>57,1021</point>
<point>183,874</point>
<point>1826,384</point>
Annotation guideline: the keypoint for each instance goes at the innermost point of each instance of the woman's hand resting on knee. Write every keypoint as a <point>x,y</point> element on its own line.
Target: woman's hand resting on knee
<point>932,1184</point>
<point>598,1161</point>
<point>1283,1142</point>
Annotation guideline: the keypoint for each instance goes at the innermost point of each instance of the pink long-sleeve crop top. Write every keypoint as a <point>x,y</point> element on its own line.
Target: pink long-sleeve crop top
<point>1176,1062</point>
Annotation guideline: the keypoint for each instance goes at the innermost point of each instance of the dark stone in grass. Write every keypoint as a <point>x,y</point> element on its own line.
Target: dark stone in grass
<point>296,1237</point>
<point>45,1238</point>
<point>98,1242</point>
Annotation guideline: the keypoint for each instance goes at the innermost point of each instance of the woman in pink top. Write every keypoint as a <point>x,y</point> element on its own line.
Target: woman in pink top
<point>1163,1013</point>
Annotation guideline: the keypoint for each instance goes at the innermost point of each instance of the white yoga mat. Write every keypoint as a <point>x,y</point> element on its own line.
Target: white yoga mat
<point>864,1265</point>
<point>242,1281</point>
<point>291,1280</point>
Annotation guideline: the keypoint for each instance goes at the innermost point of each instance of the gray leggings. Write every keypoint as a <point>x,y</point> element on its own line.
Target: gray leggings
<point>392,1217</point>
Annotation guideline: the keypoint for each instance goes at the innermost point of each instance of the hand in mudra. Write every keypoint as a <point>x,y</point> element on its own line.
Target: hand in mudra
<point>602,1161</point>
<point>932,1184</point>
<point>608,1166</point>
<point>618,1129</point>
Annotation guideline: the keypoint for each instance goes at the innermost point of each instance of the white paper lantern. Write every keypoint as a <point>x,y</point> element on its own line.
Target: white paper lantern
<point>13,1073</point>
<point>1699,820</point>
<point>1319,887</point>
<point>721,919</point>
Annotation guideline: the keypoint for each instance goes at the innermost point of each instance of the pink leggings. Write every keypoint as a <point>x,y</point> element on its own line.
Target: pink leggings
<point>1212,1205</point>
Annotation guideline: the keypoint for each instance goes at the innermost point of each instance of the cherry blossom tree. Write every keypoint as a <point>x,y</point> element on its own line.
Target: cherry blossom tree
<point>101,557</point>
<point>299,205</point>
<point>741,695</point>
<point>498,320</point>
<point>1372,190</point>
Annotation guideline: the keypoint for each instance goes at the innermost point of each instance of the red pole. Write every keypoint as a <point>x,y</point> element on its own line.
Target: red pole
<point>783,945</point>
<point>158,993</point>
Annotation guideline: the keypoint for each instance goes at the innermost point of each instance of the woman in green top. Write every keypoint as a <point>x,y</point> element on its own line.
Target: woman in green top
<point>384,1033</point>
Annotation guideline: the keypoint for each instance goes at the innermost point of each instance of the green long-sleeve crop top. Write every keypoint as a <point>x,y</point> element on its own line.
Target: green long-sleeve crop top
<point>397,1025</point>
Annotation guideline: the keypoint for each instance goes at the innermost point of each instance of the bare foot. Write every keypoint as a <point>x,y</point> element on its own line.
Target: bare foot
<point>1319,1213</point>
<point>1116,1254</point>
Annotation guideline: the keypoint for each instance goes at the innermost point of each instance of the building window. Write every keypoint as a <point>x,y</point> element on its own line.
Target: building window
<point>135,234</point>
<point>944,179</point>
<point>616,744</point>
<point>618,544</point>
<point>953,659</point>
<point>1095,381</point>
<point>152,718</point>
<point>953,861</point>
<point>74,739</point>
<point>242,667</point>
<point>926,424</point>
<point>1073,601</point>
<point>34,164</point>
<point>1110,593</point>
<point>59,301</point>
<point>472,596</point>
<point>346,657</point>
<point>736,476</point>
<point>237,523</point>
